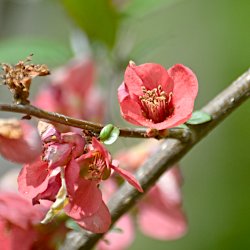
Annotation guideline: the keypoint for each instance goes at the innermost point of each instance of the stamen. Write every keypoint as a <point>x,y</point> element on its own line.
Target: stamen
<point>96,168</point>
<point>156,104</point>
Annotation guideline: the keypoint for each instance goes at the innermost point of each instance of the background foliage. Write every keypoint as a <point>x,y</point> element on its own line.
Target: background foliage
<point>211,37</point>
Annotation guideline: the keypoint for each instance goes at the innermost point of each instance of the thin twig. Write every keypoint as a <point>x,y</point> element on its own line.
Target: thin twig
<point>178,133</point>
<point>170,152</point>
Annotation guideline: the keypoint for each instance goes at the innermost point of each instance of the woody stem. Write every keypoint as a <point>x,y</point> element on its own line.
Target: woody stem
<point>178,133</point>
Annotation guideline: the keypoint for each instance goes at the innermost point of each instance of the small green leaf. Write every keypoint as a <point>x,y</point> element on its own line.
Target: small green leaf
<point>199,117</point>
<point>106,131</point>
<point>182,126</point>
<point>109,134</point>
<point>71,224</point>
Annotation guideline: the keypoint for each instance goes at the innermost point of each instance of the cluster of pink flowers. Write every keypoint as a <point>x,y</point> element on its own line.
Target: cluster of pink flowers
<point>80,171</point>
<point>85,165</point>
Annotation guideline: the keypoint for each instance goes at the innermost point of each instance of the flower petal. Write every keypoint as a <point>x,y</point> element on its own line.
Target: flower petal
<point>132,81</point>
<point>51,190</point>
<point>33,178</point>
<point>119,240</point>
<point>23,149</point>
<point>160,221</point>
<point>58,154</point>
<point>132,115</point>
<point>85,201</point>
<point>99,222</point>
<point>72,172</point>
<point>128,177</point>
<point>18,210</point>
<point>153,75</point>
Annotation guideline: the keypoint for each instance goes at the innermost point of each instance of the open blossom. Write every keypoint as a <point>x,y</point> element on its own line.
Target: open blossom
<point>84,167</point>
<point>71,91</point>
<point>154,97</point>
<point>19,141</point>
<point>20,226</point>
<point>160,212</point>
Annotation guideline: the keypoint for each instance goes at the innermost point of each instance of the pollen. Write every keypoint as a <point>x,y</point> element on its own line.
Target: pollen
<point>156,104</point>
<point>97,168</point>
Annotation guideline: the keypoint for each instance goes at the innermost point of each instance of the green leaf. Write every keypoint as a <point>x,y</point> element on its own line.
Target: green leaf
<point>199,117</point>
<point>45,51</point>
<point>182,126</point>
<point>71,224</point>
<point>98,18</point>
<point>109,134</point>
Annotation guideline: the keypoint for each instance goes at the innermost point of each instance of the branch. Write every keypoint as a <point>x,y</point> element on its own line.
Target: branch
<point>170,152</point>
<point>178,133</point>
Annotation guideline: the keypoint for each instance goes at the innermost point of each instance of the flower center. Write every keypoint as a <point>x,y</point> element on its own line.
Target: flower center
<point>97,168</point>
<point>156,104</point>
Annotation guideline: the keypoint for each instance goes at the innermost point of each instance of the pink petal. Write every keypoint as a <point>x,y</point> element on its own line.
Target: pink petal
<point>47,131</point>
<point>132,81</point>
<point>51,190</point>
<point>99,147</point>
<point>16,238</point>
<point>72,172</point>
<point>128,177</point>
<point>76,77</point>
<point>18,210</point>
<point>99,222</point>
<point>51,99</point>
<point>33,178</point>
<point>75,140</point>
<point>58,154</point>
<point>169,186</point>
<point>159,220</point>
<point>24,149</point>
<point>184,92</point>
<point>153,75</point>
<point>119,240</point>
<point>132,115</point>
<point>85,201</point>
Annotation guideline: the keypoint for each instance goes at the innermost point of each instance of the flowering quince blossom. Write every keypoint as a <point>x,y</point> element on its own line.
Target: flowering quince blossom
<point>84,166</point>
<point>19,141</point>
<point>71,91</point>
<point>154,97</point>
<point>160,212</point>
<point>20,226</point>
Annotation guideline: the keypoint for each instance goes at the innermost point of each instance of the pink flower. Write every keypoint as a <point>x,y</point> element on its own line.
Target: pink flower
<point>154,97</point>
<point>71,91</point>
<point>92,168</point>
<point>20,226</point>
<point>99,165</point>
<point>19,141</point>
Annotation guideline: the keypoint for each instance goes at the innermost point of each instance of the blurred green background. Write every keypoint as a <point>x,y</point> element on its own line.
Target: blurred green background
<point>211,37</point>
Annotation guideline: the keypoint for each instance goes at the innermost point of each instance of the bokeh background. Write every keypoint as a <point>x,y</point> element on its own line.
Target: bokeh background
<point>211,37</point>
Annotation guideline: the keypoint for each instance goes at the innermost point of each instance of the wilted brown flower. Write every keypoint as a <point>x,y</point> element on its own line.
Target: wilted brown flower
<point>18,78</point>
